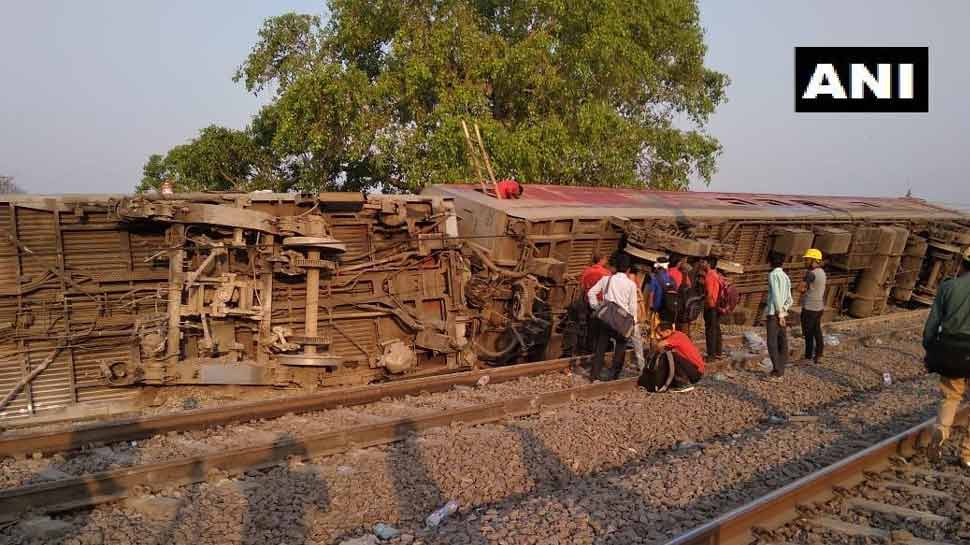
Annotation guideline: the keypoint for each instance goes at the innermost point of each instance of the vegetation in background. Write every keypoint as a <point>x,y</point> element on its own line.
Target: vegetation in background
<point>602,92</point>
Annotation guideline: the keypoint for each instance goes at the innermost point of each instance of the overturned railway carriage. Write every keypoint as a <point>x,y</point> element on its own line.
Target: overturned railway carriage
<point>271,289</point>
<point>102,293</point>
<point>878,250</point>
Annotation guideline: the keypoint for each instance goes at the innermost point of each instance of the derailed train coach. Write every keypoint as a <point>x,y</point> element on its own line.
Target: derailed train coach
<point>107,292</point>
<point>879,251</point>
<point>261,288</point>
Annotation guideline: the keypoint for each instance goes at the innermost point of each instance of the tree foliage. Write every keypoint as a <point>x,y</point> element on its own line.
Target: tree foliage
<point>218,159</point>
<point>603,92</point>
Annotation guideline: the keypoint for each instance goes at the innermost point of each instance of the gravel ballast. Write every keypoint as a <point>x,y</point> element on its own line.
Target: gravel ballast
<point>630,468</point>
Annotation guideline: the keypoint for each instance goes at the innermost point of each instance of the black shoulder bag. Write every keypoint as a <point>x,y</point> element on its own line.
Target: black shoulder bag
<point>613,315</point>
<point>949,357</point>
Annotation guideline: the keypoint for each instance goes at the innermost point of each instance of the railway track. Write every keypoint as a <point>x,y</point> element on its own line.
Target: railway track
<point>89,490</point>
<point>838,500</point>
<point>22,444</point>
<point>161,478</point>
<point>94,489</point>
<point>49,442</point>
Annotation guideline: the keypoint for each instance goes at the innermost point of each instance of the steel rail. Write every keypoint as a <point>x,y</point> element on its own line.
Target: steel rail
<point>141,427</point>
<point>109,486</point>
<point>779,507</point>
<point>734,341</point>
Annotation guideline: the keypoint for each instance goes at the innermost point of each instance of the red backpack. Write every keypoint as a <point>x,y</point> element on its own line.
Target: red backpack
<point>727,297</point>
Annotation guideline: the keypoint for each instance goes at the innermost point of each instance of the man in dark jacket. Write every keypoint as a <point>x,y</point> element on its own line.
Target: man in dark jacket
<point>946,339</point>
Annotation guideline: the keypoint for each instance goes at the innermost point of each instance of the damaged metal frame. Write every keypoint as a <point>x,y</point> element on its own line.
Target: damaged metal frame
<point>271,289</point>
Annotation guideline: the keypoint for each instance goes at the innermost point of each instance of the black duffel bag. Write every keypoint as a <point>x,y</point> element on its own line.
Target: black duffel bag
<point>950,357</point>
<point>658,373</point>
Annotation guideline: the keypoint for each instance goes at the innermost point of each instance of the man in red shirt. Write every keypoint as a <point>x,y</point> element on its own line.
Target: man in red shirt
<point>508,189</point>
<point>677,270</point>
<point>590,276</point>
<point>688,363</point>
<point>712,319</point>
<point>680,274</point>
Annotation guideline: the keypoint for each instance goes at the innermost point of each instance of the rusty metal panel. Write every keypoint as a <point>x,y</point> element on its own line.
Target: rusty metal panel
<point>94,251</point>
<point>354,339</point>
<point>355,237</point>
<point>580,256</point>
<point>8,268</point>
<point>51,390</point>
<point>88,375</point>
<point>35,231</point>
<point>11,372</point>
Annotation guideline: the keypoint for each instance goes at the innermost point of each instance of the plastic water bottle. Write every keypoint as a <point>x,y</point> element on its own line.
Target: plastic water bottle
<point>887,379</point>
<point>434,519</point>
<point>385,531</point>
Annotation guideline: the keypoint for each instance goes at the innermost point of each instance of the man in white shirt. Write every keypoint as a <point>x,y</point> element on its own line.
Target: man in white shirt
<point>623,289</point>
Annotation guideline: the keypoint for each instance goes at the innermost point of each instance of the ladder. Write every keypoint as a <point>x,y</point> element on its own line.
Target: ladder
<point>476,150</point>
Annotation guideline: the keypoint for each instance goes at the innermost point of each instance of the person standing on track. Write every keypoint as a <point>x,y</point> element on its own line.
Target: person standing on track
<point>946,338</point>
<point>589,277</point>
<point>712,318</point>
<point>688,363</point>
<point>675,270</point>
<point>681,275</point>
<point>643,320</point>
<point>813,305</point>
<point>592,274</point>
<point>622,290</point>
<point>661,286</point>
<point>779,302</point>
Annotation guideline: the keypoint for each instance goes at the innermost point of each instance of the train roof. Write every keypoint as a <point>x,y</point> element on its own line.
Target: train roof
<point>347,198</point>
<point>543,202</point>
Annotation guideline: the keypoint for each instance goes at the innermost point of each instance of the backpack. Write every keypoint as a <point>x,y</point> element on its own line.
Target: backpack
<point>694,299</point>
<point>728,296</point>
<point>658,373</point>
<point>672,302</point>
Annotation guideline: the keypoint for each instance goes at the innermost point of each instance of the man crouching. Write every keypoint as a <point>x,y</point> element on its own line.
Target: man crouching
<point>688,362</point>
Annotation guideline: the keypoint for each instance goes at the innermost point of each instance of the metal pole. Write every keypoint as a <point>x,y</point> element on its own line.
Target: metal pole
<point>312,301</point>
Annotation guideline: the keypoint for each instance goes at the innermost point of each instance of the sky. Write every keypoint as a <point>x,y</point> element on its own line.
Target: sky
<point>90,89</point>
<point>769,148</point>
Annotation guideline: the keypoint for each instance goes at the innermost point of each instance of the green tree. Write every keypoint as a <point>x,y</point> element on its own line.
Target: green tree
<point>603,92</point>
<point>218,159</point>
